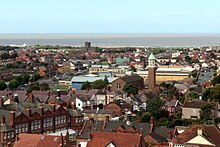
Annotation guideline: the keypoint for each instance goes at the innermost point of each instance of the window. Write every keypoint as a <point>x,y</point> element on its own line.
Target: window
<point>12,134</point>
<point>39,124</point>
<point>26,127</point>
<point>45,122</point>
<point>9,135</point>
<point>5,135</point>
<point>32,125</point>
<point>118,85</point>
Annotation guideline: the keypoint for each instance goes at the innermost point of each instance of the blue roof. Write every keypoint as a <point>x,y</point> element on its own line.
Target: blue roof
<point>82,79</point>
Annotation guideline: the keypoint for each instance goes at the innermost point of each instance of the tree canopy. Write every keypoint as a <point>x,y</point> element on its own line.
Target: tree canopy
<point>154,105</point>
<point>192,95</point>
<point>215,80</point>
<point>130,88</point>
<point>3,86</point>
<point>206,112</point>
<point>86,86</point>
<point>98,84</point>
<point>13,84</point>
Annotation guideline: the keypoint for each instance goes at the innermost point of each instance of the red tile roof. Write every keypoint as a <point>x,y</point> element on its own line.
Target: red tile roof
<point>38,140</point>
<point>118,139</point>
<point>211,132</point>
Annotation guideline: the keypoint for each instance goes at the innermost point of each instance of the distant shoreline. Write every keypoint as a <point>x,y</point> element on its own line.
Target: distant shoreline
<point>114,40</point>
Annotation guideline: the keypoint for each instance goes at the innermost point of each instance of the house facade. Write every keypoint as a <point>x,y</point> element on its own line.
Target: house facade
<point>136,80</point>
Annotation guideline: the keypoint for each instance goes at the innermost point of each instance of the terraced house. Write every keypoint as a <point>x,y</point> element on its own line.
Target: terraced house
<point>32,116</point>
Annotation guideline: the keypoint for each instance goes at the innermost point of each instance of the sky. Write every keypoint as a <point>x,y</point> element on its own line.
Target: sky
<point>109,16</point>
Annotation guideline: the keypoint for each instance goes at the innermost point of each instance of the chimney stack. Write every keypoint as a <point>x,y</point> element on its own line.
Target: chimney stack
<point>53,108</point>
<point>151,124</point>
<point>12,117</point>
<point>58,94</point>
<point>169,135</point>
<point>62,141</point>
<point>129,118</point>
<point>16,98</point>
<point>3,119</point>
<point>29,112</point>
<point>42,110</point>
<point>199,132</point>
<point>1,102</point>
<point>67,137</point>
<point>30,97</point>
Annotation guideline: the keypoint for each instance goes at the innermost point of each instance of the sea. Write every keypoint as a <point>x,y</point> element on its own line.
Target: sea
<point>113,40</point>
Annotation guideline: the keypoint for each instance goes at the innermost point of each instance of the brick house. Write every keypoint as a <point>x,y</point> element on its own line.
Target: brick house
<point>136,80</point>
<point>113,139</point>
<point>197,136</point>
<point>42,140</point>
<point>173,106</point>
<point>33,117</point>
<point>191,108</point>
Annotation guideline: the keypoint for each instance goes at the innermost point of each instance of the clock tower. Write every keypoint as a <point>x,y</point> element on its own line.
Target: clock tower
<point>151,72</point>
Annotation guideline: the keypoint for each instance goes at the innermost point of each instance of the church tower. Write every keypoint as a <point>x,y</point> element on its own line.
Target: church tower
<point>151,72</point>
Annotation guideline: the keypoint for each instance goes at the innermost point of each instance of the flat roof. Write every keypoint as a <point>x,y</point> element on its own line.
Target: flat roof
<point>170,69</point>
<point>82,79</point>
<point>71,132</point>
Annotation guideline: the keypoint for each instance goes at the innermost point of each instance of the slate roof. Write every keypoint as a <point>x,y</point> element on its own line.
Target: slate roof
<point>157,137</point>
<point>95,111</point>
<point>132,78</point>
<point>171,103</point>
<point>196,103</point>
<point>111,126</point>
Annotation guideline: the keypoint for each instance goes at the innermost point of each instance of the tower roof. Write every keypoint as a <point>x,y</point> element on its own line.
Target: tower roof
<point>151,57</point>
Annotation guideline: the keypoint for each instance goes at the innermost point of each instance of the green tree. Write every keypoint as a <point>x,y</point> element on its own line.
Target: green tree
<point>86,86</point>
<point>13,84</point>
<point>98,84</point>
<point>19,78</point>
<point>25,78</point>
<point>213,55</point>
<point>192,95</point>
<point>106,80</point>
<point>188,59</point>
<point>162,113</point>
<point>35,77</point>
<point>163,84</point>
<point>154,105</point>
<point>130,88</point>
<point>34,86</point>
<point>44,86</point>
<point>5,56</point>
<point>207,94</point>
<point>14,55</point>
<point>206,112</point>
<point>215,93</point>
<point>195,73</point>
<point>145,117</point>
<point>215,80</point>
<point>3,86</point>
<point>133,69</point>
